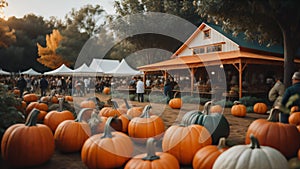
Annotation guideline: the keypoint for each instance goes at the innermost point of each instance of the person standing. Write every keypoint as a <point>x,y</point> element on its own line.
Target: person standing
<point>140,89</point>
<point>168,90</point>
<point>290,92</point>
<point>21,84</point>
<point>43,85</point>
<point>276,92</point>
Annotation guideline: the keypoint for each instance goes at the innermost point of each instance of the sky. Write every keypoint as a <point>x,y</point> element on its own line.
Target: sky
<point>47,8</point>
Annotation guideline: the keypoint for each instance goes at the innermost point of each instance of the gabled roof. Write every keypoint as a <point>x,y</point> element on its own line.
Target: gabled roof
<point>240,40</point>
<point>62,70</point>
<point>3,72</point>
<point>104,65</point>
<point>30,72</point>
<point>123,69</point>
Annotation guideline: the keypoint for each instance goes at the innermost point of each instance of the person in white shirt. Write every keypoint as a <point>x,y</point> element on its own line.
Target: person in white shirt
<point>140,89</point>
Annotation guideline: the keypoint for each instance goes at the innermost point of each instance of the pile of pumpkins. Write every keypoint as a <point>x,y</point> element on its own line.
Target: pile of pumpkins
<point>110,133</point>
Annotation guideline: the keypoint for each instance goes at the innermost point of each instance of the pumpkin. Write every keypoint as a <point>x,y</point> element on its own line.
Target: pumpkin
<point>31,97</point>
<point>38,105</point>
<point>88,104</point>
<point>41,116</point>
<point>70,135</point>
<point>294,109</point>
<point>134,112</point>
<point>113,148</point>
<point>16,92</point>
<point>97,123</point>
<point>153,159</point>
<point>238,109</point>
<point>215,123</point>
<point>260,108</point>
<point>294,118</point>
<point>29,144</point>
<point>145,126</point>
<point>106,90</point>
<point>216,109</point>
<point>125,122</point>
<point>69,98</point>
<point>175,103</point>
<point>251,156</point>
<point>21,106</point>
<point>184,141</point>
<point>206,156</point>
<point>283,137</point>
<point>55,117</point>
<point>49,99</point>
<point>109,112</point>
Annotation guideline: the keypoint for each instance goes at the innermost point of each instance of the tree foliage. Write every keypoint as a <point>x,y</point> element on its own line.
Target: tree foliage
<point>267,21</point>
<point>48,55</point>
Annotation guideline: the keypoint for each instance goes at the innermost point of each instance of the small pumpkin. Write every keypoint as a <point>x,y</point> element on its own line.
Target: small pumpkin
<point>146,126</point>
<point>175,103</point>
<point>206,156</point>
<point>260,108</point>
<point>70,135</point>
<point>114,148</point>
<point>189,139</point>
<point>109,111</point>
<point>251,156</point>
<point>97,123</point>
<point>216,109</point>
<point>69,98</point>
<point>238,109</point>
<point>55,117</point>
<point>269,132</point>
<point>294,109</point>
<point>106,90</point>
<point>294,118</point>
<point>29,144</point>
<point>38,105</point>
<point>153,159</point>
<point>88,104</point>
<point>31,97</point>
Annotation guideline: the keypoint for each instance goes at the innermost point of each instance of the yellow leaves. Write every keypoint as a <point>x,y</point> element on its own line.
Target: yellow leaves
<point>48,55</point>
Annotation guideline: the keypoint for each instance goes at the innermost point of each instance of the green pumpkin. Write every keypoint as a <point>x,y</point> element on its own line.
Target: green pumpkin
<point>215,123</point>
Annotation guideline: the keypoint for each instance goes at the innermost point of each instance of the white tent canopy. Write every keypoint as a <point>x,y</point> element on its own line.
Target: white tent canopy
<point>123,69</point>
<point>30,72</point>
<point>104,65</point>
<point>2,72</point>
<point>84,70</point>
<point>62,70</point>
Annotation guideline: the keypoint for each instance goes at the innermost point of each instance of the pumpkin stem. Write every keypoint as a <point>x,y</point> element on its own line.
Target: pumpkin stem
<point>81,112</point>
<point>126,103</point>
<point>151,150</point>
<point>94,121</point>
<point>32,117</point>
<point>222,143</point>
<point>146,110</point>
<point>107,130</point>
<point>254,142</point>
<point>60,103</point>
<point>206,107</point>
<point>273,115</point>
<point>114,104</point>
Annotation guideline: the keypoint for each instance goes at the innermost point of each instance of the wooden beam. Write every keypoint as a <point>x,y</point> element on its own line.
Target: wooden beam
<point>192,73</point>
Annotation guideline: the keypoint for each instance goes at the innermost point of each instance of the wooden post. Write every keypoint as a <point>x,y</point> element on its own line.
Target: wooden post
<point>240,80</point>
<point>192,79</point>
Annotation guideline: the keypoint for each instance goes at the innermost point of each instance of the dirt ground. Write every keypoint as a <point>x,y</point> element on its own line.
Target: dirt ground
<point>238,128</point>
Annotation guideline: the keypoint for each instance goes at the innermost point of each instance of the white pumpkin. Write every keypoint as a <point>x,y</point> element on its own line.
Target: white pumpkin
<point>251,156</point>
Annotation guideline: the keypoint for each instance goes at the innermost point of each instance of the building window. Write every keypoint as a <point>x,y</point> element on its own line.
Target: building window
<point>215,48</point>
<point>199,50</point>
<point>206,34</point>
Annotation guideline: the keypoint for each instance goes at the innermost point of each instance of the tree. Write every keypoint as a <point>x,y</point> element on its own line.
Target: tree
<point>267,21</point>
<point>80,26</point>
<point>48,55</point>
<point>7,35</point>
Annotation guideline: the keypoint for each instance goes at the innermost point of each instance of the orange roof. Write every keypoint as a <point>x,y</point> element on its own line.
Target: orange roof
<point>210,59</point>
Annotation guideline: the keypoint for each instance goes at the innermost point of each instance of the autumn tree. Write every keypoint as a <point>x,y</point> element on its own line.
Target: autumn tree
<point>7,35</point>
<point>267,21</point>
<point>48,55</point>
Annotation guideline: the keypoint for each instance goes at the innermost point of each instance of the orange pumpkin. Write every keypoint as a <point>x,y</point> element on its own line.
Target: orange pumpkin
<point>109,112</point>
<point>88,104</point>
<point>31,97</point>
<point>299,154</point>
<point>134,112</point>
<point>206,156</point>
<point>189,139</point>
<point>294,109</point>
<point>145,126</point>
<point>41,115</point>
<point>29,144</point>
<point>69,98</point>
<point>37,105</point>
<point>260,108</point>
<point>22,106</point>
<point>175,103</point>
<point>283,137</point>
<point>125,122</point>
<point>97,123</point>
<point>106,90</point>
<point>70,135</point>
<point>238,110</point>
<point>216,109</point>
<point>153,159</point>
<point>294,118</point>
<point>49,99</point>
<point>114,148</point>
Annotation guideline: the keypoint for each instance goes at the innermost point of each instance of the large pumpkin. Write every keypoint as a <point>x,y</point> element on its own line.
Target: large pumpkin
<point>238,109</point>
<point>153,159</point>
<point>283,137</point>
<point>29,144</point>
<point>114,149</point>
<point>70,135</point>
<point>55,117</point>
<point>146,126</point>
<point>251,156</point>
<point>216,123</point>
<point>31,97</point>
<point>184,141</point>
<point>206,156</point>
<point>38,105</point>
<point>260,108</point>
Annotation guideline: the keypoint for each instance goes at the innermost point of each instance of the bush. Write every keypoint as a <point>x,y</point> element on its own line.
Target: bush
<point>250,101</point>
